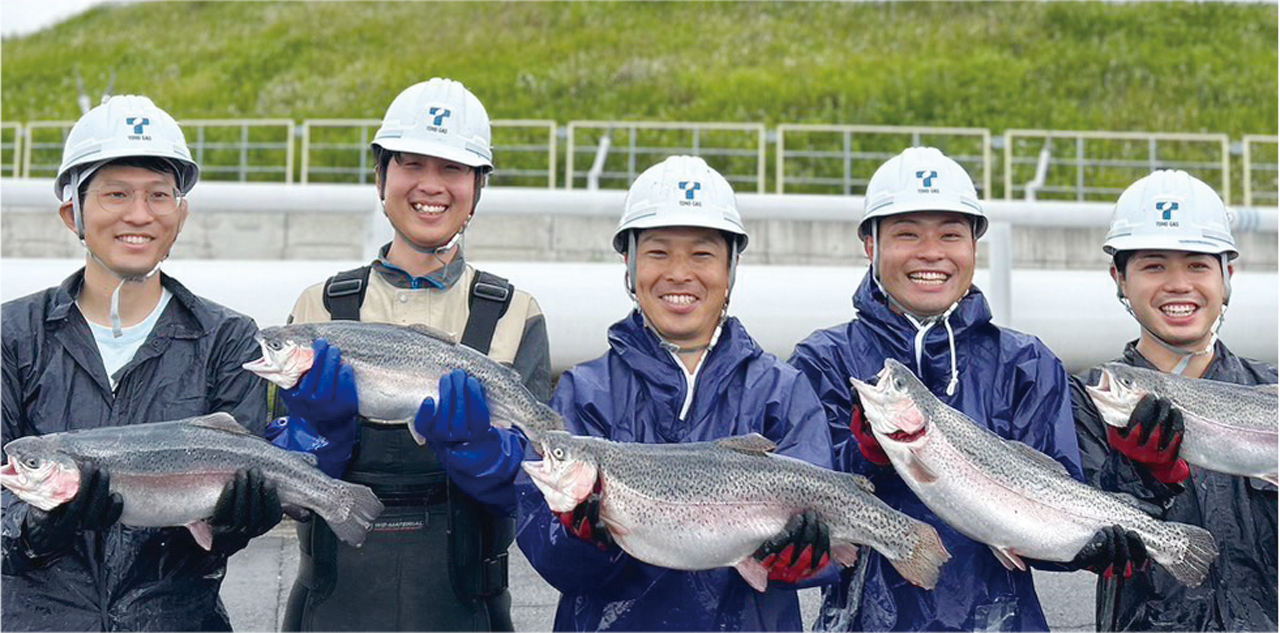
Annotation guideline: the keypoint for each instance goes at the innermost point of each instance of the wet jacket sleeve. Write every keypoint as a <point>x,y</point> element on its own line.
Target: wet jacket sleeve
<point>1042,416</point>
<point>15,556</point>
<point>571,565</point>
<point>1108,469</point>
<point>821,365</point>
<point>533,358</point>
<point>232,389</point>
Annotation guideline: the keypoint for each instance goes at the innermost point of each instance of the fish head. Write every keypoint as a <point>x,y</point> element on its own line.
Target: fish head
<point>891,405</point>
<point>567,474</point>
<point>285,356</point>
<point>38,473</point>
<point>1118,391</point>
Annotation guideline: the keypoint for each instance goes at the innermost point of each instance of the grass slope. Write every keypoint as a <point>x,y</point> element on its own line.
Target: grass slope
<point>1151,67</point>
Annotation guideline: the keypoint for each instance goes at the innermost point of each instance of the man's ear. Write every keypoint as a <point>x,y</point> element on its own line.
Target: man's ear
<point>183,213</point>
<point>68,216</point>
<point>1118,277</point>
<point>869,247</point>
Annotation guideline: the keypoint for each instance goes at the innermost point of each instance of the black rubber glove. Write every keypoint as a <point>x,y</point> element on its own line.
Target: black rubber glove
<point>248,508</point>
<point>585,523</point>
<point>1113,552</point>
<point>799,551</point>
<point>94,508</point>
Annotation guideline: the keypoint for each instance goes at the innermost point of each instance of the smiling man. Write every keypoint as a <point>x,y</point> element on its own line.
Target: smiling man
<point>678,369</point>
<point>917,304</point>
<point>118,343</point>
<point>1171,247</point>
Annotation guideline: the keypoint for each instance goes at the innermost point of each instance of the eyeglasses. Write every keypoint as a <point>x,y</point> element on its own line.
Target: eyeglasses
<point>120,199</point>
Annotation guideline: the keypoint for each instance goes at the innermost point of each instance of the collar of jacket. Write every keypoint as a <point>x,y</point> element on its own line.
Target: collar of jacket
<point>897,333</point>
<point>197,320</point>
<point>396,276</point>
<point>640,349</point>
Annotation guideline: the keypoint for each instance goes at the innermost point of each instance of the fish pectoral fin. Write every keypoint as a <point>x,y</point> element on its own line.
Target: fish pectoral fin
<point>845,553</point>
<point>754,573</point>
<point>750,443</point>
<point>202,533</point>
<point>919,471</point>
<point>417,437</point>
<point>1007,558</point>
<point>864,483</point>
<point>1270,478</point>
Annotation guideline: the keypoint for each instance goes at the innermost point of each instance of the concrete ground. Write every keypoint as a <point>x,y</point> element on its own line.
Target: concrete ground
<point>260,577</point>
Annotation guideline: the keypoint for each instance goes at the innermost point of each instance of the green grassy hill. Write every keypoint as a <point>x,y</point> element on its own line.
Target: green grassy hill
<point>1177,68</point>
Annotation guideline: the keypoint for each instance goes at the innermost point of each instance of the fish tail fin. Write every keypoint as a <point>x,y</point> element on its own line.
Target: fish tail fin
<point>354,515</point>
<point>1190,562</point>
<point>923,563</point>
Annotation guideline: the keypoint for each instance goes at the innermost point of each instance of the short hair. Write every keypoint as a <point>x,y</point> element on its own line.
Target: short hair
<point>154,164</point>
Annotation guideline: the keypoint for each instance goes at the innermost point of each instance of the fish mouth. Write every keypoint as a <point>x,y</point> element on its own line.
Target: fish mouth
<point>904,437</point>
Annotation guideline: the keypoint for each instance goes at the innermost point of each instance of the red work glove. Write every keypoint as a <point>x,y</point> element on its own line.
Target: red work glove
<point>584,521</point>
<point>801,550</point>
<point>1152,438</point>
<point>868,445</point>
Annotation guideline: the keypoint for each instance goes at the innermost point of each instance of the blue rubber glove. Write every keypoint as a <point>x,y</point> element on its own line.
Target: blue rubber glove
<point>322,410</point>
<point>480,459</point>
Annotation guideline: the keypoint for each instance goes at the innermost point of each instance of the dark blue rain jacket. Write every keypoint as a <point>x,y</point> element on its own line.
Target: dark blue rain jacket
<point>634,393</point>
<point>126,578</point>
<point>1240,592</point>
<point>1009,382</point>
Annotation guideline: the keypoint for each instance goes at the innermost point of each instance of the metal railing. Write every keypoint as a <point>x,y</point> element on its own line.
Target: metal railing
<point>1264,164</point>
<point>840,159</point>
<point>337,151</point>
<point>225,149</point>
<point>10,149</point>
<point>736,150</point>
<point>1098,166</point>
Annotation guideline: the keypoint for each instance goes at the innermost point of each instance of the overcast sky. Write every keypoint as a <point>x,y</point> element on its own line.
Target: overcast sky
<point>21,17</point>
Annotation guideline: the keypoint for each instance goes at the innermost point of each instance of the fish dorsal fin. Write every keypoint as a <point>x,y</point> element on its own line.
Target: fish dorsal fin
<point>434,333</point>
<point>1044,461</point>
<point>751,444</point>
<point>310,458</point>
<point>863,483</point>
<point>1145,507</point>
<point>220,421</point>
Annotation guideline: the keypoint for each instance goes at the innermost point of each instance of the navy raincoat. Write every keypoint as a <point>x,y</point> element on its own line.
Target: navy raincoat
<point>1009,382</point>
<point>125,578</point>
<point>1239,593</point>
<point>634,393</point>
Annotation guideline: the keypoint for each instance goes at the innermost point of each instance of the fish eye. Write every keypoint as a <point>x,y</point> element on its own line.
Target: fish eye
<point>31,462</point>
<point>275,345</point>
<point>899,383</point>
<point>558,453</point>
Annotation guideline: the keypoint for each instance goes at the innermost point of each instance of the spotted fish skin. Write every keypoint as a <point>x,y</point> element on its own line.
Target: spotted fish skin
<point>1018,501</point>
<point>397,366</point>
<point>703,505</point>
<point>1229,428</point>
<point>173,473</point>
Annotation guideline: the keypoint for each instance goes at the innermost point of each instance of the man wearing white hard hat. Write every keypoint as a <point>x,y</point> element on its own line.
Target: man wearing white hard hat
<point>121,343</point>
<point>1172,248</point>
<point>678,369</point>
<point>917,304</point>
<point>438,558</point>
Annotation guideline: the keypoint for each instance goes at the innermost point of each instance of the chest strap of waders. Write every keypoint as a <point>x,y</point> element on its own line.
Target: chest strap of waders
<point>344,293</point>
<point>476,535</point>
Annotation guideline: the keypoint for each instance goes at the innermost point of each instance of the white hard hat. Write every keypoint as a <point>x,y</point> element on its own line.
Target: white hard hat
<point>921,179</point>
<point>124,126</point>
<point>680,191</point>
<point>1170,210</point>
<point>440,118</point>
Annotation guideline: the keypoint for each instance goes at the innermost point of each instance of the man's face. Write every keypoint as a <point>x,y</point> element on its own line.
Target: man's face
<point>926,259</point>
<point>129,237</point>
<point>1175,294</point>
<point>429,199</point>
<point>682,281</point>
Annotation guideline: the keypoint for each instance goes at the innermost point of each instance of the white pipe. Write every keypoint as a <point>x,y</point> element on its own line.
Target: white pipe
<point>597,165</point>
<point>1074,312</point>
<point>1042,173</point>
<point>36,196</point>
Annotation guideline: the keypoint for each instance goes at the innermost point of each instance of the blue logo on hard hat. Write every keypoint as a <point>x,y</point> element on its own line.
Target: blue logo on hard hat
<point>439,113</point>
<point>1166,209</point>
<point>138,122</point>
<point>689,186</point>
<point>926,177</point>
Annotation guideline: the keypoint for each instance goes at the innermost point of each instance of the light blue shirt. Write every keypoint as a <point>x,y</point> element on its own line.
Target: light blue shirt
<point>117,352</point>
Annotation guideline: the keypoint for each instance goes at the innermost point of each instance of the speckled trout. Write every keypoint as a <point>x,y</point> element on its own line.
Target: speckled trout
<point>703,505</point>
<point>172,474</point>
<point>1229,428</point>
<point>1006,494</point>
<point>396,366</point>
